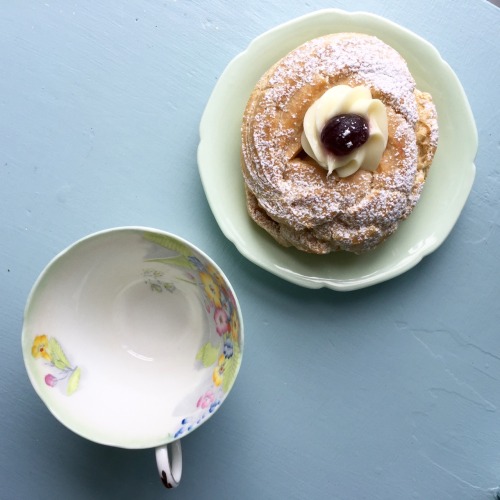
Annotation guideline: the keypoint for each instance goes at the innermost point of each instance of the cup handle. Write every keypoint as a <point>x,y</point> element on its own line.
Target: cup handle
<point>170,467</point>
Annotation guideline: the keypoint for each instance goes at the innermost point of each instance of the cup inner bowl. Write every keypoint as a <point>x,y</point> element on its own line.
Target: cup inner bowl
<point>140,325</point>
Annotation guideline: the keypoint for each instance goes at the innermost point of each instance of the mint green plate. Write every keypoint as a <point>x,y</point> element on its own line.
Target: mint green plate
<point>445,193</point>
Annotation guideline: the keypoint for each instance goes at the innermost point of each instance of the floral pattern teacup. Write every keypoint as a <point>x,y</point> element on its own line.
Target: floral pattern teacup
<point>133,338</point>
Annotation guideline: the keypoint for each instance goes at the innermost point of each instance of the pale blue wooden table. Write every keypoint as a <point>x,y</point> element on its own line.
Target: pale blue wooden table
<point>387,393</point>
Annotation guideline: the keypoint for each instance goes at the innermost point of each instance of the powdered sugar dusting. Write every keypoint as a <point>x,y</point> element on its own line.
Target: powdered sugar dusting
<point>312,211</point>
<point>364,60</point>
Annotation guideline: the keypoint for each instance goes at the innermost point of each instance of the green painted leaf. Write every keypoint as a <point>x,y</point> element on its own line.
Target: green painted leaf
<point>57,355</point>
<point>231,369</point>
<point>73,381</point>
<point>168,242</point>
<point>59,364</point>
<point>180,261</point>
<point>208,354</point>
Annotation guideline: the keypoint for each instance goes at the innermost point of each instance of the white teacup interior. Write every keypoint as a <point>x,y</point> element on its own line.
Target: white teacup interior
<point>132,338</point>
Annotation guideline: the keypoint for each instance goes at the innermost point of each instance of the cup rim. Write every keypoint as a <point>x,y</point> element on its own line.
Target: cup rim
<point>35,289</point>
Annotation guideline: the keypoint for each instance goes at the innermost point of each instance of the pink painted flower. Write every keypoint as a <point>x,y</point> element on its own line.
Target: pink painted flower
<point>206,400</point>
<point>50,380</point>
<point>221,321</point>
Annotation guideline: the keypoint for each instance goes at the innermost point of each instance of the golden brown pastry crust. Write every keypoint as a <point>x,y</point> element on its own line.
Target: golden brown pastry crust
<point>293,198</point>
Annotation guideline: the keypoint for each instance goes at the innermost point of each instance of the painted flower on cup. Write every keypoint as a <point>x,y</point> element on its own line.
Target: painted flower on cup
<point>210,269</point>
<point>40,348</point>
<point>212,290</point>
<point>235,327</point>
<point>221,321</point>
<point>228,348</point>
<point>51,352</point>
<point>213,406</point>
<point>218,373</point>
<point>206,400</point>
<point>187,424</point>
<point>223,356</point>
<point>227,304</point>
<point>51,380</point>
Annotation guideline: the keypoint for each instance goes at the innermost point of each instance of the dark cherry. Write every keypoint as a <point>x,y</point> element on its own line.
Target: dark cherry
<point>342,134</point>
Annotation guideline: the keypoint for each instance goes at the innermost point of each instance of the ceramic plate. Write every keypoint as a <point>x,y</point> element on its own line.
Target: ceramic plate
<point>448,185</point>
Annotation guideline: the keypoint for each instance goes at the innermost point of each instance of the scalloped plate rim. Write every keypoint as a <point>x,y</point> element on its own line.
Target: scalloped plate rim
<point>404,264</point>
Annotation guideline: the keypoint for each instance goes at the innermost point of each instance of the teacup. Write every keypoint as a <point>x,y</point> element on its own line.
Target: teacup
<point>133,338</point>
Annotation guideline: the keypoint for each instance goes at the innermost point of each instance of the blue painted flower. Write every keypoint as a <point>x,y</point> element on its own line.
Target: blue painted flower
<point>227,305</point>
<point>228,349</point>
<point>197,263</point>
<point>213,406</point>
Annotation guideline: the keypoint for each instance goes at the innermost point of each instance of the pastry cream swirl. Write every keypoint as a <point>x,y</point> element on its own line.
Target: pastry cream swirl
<point>339,100</point>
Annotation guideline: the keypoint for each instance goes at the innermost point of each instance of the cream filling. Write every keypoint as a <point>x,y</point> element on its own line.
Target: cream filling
<point>338,100</point>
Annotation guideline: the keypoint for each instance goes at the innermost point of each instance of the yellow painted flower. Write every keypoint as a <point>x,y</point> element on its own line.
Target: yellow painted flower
<point>215,275</point>
<point>40,348</point>
<point>211,289</point>
<point>218,374</point>
<point>234,326</point>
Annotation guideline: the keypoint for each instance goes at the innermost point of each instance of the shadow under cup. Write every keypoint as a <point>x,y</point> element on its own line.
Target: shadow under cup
<point>133,338</point>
